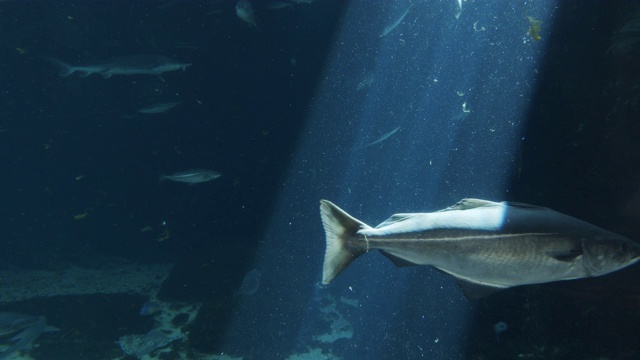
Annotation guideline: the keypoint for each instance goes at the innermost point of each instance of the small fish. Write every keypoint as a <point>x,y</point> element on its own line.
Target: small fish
<point>534,28</point>
<point>499,328</point>
<point>279,5</point>
<point>127,65</point>
<point>12,322</point>
<point>80,216</point>
<point>487,246</point>
<point>381,138</point>
<point>158,108</point>
<point>390,28</point>
<point>150,308</point>
<point>366,82</point>
<point>192,177</point>
<point>246,13</point>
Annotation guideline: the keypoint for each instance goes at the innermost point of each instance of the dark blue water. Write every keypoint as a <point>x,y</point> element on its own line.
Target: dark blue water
<point>313,104</point>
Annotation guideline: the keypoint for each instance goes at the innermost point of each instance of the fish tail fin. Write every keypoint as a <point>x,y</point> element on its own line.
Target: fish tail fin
<point>65,69</point>
<point>339,227</point>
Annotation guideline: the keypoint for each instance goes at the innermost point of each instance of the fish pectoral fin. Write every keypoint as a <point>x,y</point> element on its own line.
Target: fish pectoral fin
<point>397,261</point>
<point>565,255</point>
<point>473,291</point>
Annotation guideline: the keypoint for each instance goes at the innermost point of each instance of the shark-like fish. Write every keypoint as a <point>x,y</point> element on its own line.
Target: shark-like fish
<point>487,246</point>
<point>28,335</point>
<point>127,65</point>
<point>192,177</point>
<point>381,138</point>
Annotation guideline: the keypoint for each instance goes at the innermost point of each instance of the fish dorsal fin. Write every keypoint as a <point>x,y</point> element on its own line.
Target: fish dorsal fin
<point>470,203</point>
<point>397,261</point>
<point>395,218</point>
<point>473,291</point>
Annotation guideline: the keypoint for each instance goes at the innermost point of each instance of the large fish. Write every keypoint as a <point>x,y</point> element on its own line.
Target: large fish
<point>127,65</point>
<point>192,177</point>
<point>487,246</point>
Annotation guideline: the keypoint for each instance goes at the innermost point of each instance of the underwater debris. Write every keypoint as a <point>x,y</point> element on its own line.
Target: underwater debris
<point>534,28</point>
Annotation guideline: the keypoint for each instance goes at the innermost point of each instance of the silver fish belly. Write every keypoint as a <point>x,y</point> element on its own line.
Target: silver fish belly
<point>485,245</point>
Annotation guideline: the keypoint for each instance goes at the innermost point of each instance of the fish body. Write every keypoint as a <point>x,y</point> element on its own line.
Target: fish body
<point>12,322</point>
<point>382,138</point>
<point>192,177</point>
<point>395,24</point>
<point>127,65</point>
<point>246,13</point>
<point>158,108</point>
<point>485,245</point>
<point>27,336</point>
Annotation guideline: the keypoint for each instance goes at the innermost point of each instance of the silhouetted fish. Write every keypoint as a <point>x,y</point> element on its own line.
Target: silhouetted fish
<point>192,177</point>
<point>126,65</point>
